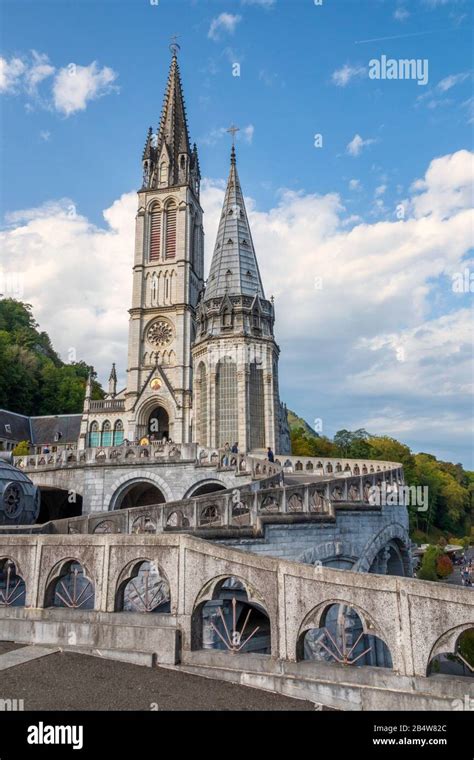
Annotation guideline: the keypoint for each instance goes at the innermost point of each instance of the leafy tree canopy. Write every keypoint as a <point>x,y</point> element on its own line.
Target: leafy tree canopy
<point>33,379</point>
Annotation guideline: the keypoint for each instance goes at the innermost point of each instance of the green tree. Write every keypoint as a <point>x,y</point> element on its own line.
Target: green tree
<point>427,571</point>
<point>348,443</point>
<point>466,646</point>
<point>21,449</point>
<point>33,379</point>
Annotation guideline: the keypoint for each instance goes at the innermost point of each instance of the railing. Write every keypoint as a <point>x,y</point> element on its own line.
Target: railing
<point>157,452</point>
<point>108,405</point>
<point>241,510</point>
<point>333,465</point>
<point>109,455</point>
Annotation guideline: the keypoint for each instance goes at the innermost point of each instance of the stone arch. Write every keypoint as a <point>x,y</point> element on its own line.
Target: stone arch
<point>177,519</point>
<point>388,534</point>
<point>316,619</point>
<point>339,554</point>
<point>94,434</point>
<point>12,584</point>
<point>121,485</point>
<point>133,594</point>
<point>146,408</point>
<point>211,592</point>
<point>200,484</point>
<point>153,205</point>
<point>60,593</point>
<point>446,643</point>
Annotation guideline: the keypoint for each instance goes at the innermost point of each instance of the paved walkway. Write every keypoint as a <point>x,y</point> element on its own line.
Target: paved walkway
<point>70,681</point>
<point>20,655</point>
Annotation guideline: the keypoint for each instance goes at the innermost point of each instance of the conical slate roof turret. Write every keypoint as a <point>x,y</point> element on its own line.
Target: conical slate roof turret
<point>234,269</point>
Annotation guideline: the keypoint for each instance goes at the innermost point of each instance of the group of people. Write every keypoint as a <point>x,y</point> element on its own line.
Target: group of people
<point>234,449</point>
<point>228,449</point>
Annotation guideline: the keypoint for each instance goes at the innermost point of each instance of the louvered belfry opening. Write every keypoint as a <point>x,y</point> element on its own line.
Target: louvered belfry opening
<point>155,234</point>
<point>170,251</point>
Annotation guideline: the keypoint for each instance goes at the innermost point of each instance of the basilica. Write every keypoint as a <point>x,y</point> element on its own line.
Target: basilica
<point>202,357</point>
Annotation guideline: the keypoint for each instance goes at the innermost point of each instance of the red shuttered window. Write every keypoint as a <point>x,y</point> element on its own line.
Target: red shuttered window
<point>155,235</point>
<point>170,250</point>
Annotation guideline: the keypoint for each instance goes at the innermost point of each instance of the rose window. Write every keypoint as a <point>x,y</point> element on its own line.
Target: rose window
<point>160,334</point>
<point>12,500</point>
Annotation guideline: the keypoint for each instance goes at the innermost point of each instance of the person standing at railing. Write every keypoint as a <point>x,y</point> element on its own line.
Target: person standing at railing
<point>235,448</point>
<point>227,450</point>
<point>270,455</point>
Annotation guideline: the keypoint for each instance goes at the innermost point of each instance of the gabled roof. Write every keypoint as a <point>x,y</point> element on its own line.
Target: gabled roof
<point>234,269</point>
<point>44,429</point>
<point>39,430</point>
<point>14,427</point>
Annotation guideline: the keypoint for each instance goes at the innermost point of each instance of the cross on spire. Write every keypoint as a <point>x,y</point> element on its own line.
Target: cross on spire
<point>174,47</point>
<point>233,130</point>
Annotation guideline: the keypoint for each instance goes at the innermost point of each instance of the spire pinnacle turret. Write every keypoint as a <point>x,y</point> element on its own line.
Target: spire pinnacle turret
<point>168,159</point>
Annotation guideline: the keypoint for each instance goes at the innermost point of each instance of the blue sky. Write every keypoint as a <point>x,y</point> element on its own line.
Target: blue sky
<point>328,212</point>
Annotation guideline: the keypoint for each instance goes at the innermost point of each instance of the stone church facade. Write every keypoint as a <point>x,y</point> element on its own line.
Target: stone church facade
<point>202,358</point>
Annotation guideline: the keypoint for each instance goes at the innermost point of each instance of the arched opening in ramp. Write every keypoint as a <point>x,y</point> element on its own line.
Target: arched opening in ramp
<point>342,638</point>
<point>57,503</point>
<point>143,588</point>
<point>459,662</point>
<point>139,494</point>
<point>203,488</point>
<point>230,621</point>
<point>392,559</point>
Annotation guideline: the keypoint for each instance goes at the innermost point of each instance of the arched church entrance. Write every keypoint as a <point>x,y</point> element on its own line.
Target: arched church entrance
<point>158,424</point>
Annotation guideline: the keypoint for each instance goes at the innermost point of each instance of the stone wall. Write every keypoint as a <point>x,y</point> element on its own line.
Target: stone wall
<point>414,618</point>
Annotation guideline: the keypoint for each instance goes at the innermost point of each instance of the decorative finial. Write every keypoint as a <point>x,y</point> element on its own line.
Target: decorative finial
<point>174,47</point>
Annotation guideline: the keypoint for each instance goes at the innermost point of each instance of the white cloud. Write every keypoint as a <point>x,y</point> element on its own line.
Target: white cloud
<point>355,146</point>
<point>341,77</point>
<point>247,133</point>
<point>45,135</point>
<point>224,24</point>
<point>24,74</point>
<point>379,283</point>
<point>354,184</point>
<point>450,81</point>
<point>39,70</point>
<point>401,14</point>
<point>469,106</point>
<point>11,73</point>
<point>446,187</point>
<point>75,85</point>
<point>85,271</point>
<point>380,190</point>
<point>71,87</point>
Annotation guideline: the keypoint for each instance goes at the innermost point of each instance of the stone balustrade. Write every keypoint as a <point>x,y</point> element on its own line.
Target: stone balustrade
<point>158,452</point>
<point>243,509</point>
<point>108,405</point>
<point>333,465</point>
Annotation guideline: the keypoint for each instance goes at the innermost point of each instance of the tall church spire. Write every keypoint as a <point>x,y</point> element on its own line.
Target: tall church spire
<point>234,269</point>
<point>168,159</point>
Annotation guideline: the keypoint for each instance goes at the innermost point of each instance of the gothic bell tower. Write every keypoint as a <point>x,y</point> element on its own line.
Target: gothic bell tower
<point>167,276</point>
